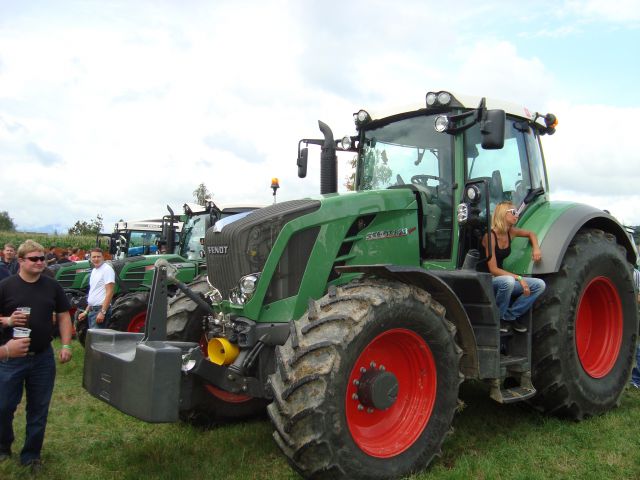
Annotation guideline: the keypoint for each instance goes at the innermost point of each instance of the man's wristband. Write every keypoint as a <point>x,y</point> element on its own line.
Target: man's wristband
<point>68,347</point>
<point>519,278</point>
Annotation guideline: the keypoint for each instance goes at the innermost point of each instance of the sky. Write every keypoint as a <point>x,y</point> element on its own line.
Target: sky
<point>119,108</point>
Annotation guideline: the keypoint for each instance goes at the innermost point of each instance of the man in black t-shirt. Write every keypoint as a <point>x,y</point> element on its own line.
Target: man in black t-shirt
<point>35,371</point>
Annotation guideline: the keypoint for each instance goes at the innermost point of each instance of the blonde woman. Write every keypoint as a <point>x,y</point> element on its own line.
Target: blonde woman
<point>506,284</point>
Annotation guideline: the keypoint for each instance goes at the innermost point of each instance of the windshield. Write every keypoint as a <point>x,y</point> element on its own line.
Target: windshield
<point>143,243</point>
<point>405,151</point>
<point>410,151</point>
<point>193,230</point>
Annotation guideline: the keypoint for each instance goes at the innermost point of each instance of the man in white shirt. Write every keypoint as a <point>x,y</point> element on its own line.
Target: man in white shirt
<point>101,287</point>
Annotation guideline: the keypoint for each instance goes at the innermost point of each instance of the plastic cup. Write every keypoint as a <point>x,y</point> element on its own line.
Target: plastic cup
<point>21,332</point>
<point>26,311</point>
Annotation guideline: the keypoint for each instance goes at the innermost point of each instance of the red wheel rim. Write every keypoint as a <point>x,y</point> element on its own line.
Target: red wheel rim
<point>389,432</point>
<point>136,325</point>
<point>599,327</point>
<point>216,392</point>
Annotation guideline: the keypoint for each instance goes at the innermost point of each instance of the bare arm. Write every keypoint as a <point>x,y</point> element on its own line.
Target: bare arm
<point>536,254</point>
<point>64,323</point>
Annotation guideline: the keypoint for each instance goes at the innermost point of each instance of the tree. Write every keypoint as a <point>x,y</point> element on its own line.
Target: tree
<point>92,227</point>
<point>201,194</point>
<point>6,222</point>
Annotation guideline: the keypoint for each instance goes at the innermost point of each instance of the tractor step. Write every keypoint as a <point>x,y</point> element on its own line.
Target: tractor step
<point>513,394</point>
<point>508,360</point>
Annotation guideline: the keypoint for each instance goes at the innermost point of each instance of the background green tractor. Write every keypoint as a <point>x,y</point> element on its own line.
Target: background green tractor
<point>134,273</point>
<point>355,317</point>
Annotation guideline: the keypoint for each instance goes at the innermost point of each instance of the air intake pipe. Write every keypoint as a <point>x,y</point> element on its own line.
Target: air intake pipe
<point>328,161</point>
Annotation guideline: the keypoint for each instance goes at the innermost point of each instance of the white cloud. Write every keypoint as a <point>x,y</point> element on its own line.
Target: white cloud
<point>134,105</point>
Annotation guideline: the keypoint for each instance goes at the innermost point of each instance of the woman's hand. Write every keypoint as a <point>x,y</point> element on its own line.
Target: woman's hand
<point>525,287</point>
<point>536,254</point>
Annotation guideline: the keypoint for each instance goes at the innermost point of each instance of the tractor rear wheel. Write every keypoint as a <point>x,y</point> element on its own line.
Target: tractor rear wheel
<point>184,323</point>
<point>129,312</point>
<point>585,329</point>
<point>366,385</point>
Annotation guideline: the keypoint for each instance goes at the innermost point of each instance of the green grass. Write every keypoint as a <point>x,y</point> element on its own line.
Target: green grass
<point>86,439</point>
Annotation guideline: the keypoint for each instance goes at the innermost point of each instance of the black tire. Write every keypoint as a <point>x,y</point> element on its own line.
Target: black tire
<point>588,309</point>
<point>78,304</point>
<point>129,312</point>
<point>185,323</point>
<point>316,416</point>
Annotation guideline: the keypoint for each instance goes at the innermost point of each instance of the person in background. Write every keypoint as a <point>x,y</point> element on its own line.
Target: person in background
<point>73,254</point>
<point>505,283</point>
<point>635,374</point>
<point>9,258</point>
<point>64,258</point>
<point>34,373</point>
<point>4,271</point>
<point>52,258</point>
<point>101,288</point>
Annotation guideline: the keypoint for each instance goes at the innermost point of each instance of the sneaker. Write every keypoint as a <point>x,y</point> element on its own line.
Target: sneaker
<point>504,327</point>
<point>518,327</point>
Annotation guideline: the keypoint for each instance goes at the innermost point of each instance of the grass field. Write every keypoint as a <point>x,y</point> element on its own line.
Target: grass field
<point>86,439</point>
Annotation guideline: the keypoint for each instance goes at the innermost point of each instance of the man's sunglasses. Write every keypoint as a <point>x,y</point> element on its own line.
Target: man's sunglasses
<point>35,259</point>
<point>513,212</point>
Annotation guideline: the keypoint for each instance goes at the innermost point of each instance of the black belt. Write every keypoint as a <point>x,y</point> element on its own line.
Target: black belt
<point>95,307</point>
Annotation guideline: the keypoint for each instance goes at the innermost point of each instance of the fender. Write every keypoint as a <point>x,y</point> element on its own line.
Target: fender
<point>560,234</point>
<point>556,225</point>
<point>443,294</point>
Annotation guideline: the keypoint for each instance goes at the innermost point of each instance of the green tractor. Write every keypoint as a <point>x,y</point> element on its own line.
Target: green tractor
<point>134,273</point>
<point>355,317</point>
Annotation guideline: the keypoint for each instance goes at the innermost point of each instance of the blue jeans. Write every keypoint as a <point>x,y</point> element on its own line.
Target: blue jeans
<point>92,322</point>
<point>505,287</point>
<point>635,374</point>
<point>36,374</point>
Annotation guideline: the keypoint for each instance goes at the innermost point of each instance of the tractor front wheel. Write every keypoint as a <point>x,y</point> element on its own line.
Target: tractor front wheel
<point>129,312</point>
<point>366,386</point>
<point>585,328</point>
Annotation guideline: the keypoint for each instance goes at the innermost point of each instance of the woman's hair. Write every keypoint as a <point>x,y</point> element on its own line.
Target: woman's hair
<point>29,246</point>
<point>499,222</point>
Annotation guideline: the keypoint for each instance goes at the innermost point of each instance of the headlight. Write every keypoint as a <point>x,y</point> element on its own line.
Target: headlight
<point>473,193</point>
<point>248,284</point>
<point>463,212</point>
<point>361,117</point>
<point>245,289</point>
<point>442,123</point>
<point>444,98</point>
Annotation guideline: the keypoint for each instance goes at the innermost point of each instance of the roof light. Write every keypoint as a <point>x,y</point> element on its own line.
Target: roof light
<point>361,117</point>
<point>444,98</point>
<point>431,99</point>
<point>345,143</point>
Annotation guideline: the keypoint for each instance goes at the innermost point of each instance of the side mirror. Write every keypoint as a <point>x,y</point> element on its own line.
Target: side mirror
<point>303,155</point>
<point>492,129</point>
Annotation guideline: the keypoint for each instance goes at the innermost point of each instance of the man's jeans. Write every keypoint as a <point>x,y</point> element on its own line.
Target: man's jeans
<point>35,373</point>
<point>505,286</point>
<point>635,374</point>
<point>92,321</point>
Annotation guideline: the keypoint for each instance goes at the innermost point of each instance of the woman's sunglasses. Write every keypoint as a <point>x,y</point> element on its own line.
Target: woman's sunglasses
<point>513,212</point>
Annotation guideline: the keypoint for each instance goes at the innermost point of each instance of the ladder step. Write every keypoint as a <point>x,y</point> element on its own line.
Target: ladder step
<point>506,360</point>
<point>512,395</point>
